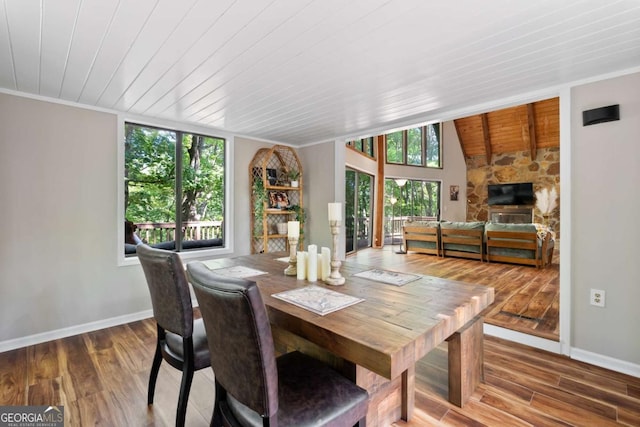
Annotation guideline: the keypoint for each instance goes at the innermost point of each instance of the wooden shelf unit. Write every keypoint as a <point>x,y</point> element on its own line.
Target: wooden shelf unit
<point>268,179</point>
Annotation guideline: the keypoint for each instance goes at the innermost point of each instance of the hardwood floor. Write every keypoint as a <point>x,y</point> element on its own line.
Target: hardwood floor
<point>101,379</point>
<point>526,298</point>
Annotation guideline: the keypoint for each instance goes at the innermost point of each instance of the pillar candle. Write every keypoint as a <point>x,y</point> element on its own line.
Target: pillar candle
<point>326,263</point>
<point>293,229</point>
<point>312,263</point>
<point>301,266</point>
<point>335,211</point>
<point>320,267</point>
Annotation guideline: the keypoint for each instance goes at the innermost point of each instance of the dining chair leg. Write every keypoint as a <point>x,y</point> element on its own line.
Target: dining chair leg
<point>155,368</point>
<point>185,385</point>
<point>216,419</point>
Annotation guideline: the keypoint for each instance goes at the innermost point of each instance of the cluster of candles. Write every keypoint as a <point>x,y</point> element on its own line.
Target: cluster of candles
<point>312,264</point>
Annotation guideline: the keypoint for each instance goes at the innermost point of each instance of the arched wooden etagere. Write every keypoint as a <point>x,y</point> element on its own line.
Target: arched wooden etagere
<point>274,197</point>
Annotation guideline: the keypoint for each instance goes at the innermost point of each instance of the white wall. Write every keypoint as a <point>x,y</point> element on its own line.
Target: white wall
<point>59,268</point>
<point>58,181</point>
<point>605,230</point>
<point>320,178</point>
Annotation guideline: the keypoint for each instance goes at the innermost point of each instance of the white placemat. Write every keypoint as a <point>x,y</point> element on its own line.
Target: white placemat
<point>389,277</point>
<point>317,299</point>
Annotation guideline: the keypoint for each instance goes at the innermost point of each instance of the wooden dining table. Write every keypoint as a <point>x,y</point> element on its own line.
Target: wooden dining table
<point>377,342</point>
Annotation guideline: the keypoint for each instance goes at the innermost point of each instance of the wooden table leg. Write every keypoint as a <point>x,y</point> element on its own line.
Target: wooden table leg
<point>408,393</point>
<point>465,361</point>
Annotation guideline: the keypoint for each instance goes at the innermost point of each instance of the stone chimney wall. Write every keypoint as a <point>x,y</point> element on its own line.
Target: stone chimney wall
<point>511,167</point>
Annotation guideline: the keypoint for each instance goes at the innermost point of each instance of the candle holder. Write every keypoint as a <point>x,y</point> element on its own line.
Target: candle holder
<point>335,278</point>
<point>292,269</point>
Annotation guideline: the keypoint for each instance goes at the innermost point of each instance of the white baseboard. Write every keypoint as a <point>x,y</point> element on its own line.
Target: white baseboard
<point>556,347</point>
<point>73,330</point>
<point>606,362</point>
<point>520,338</point>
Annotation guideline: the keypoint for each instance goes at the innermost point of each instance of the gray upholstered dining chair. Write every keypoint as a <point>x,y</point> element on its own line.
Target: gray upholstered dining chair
<point>181,340</point>
<point>253,387</point>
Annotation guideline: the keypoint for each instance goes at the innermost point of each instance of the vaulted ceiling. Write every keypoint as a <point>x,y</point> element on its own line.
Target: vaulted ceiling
<point>522,128</point>
<point>302,71</point>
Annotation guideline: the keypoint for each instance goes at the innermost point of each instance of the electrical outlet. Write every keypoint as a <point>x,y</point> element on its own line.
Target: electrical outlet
<point>597,297</point>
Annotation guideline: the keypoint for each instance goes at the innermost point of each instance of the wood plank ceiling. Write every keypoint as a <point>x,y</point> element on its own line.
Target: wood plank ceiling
<point>304,71</point>
<point>522,128</point>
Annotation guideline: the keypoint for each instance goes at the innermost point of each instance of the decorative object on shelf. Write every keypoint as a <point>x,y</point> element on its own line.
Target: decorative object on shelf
<point>293,234</point>
<point>294,174</point>
<point>335,219</point>
<point>282,227</point>
<point>278,200</point>
<point>272,176</point>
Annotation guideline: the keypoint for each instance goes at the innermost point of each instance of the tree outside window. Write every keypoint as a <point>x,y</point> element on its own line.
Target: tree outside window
<point>174,187</point>
<point>395,147</point>
<point>420,146</point>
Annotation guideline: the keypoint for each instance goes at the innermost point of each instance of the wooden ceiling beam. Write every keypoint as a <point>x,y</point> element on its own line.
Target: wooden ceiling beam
<point>464,154</point>
<point>531,119</point>
<point>486,136</point>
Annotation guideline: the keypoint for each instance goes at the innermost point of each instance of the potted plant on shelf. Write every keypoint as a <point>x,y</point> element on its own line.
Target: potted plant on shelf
<point>294,174</point>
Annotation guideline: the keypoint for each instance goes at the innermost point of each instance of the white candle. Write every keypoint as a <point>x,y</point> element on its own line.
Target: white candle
<point>312,263</point>
<point>326,263</point>
<point>293,229</point>
<point>335,211</point>
<point>301,266</point>
<point>320,267</point>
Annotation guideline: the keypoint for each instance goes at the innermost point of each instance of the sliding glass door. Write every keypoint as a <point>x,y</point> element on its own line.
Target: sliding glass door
<point>414,199</point>
<point>358,209</point>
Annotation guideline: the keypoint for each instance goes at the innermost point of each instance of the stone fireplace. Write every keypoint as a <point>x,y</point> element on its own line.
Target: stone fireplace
<point>544,172</point>
<point>511,214</point>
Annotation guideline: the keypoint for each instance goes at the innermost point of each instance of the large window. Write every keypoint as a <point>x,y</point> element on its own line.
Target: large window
<point>420,146</point>
<point>414,199</point>
<point>363,145</point>
<point>174,185</point>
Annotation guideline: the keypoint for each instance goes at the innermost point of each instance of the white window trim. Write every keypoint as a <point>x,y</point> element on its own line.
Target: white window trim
<point>228,224</point>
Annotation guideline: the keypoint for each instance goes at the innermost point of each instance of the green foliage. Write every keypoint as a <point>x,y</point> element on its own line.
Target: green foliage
<point>150,176</point>
<point>301,216</point>
<point>294,174</point>
<point>395,150</point>
<point>259,200</point>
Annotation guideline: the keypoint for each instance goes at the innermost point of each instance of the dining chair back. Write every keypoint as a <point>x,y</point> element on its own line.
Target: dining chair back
<point>253,387</point>
<point>181,340</point>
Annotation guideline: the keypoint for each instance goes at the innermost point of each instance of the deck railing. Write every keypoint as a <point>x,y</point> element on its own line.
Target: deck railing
<point>156,232</point>
<point>393,225</point>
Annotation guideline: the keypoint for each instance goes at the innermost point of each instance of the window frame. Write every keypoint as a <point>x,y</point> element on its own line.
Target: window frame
<point>408,199</point>
<point>363,146</point>
<point>424,146</point>
<point>227,224</point>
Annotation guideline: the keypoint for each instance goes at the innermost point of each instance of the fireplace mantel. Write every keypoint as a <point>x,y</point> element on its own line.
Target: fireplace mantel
<point>512,214</point>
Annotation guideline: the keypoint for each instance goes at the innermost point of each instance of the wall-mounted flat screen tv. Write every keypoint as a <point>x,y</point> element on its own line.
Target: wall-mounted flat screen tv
<point>511,194</point>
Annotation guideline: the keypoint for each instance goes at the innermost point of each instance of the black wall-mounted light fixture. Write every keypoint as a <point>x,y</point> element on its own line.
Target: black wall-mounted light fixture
<point>601,115</point>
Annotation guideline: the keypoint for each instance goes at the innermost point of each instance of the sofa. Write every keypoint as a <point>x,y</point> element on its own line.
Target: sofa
<point>422,237</point>
<point>526,244</point>
<point>462,239</point>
